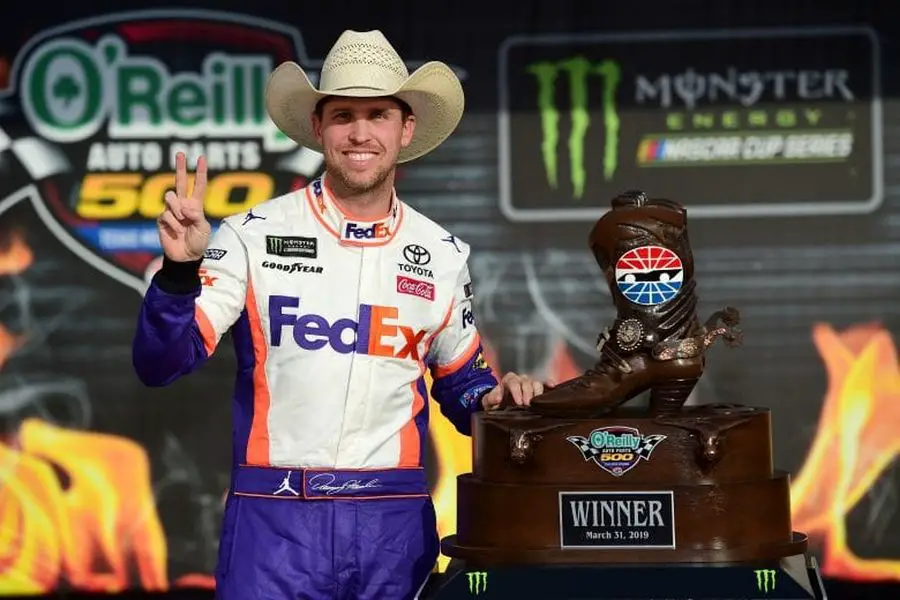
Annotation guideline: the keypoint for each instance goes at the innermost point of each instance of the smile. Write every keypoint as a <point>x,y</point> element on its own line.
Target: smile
<point>360,157</point>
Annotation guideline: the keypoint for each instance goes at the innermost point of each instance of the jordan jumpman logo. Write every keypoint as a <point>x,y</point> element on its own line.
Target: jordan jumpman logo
<point>286,485</point>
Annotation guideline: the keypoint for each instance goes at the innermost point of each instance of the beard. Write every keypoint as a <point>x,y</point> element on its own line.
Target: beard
<point>355,183</point>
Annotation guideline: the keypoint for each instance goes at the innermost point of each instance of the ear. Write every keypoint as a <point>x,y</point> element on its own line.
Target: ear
<point>409,127</point>
<point>316,126</point>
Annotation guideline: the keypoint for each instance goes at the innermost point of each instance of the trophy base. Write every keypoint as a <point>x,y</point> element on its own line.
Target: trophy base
<point>502,523</point>
<point>489,557</point>
<point>791,577</point>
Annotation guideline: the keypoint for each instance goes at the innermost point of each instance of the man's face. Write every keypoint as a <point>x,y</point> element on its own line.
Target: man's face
<point>361,138</point>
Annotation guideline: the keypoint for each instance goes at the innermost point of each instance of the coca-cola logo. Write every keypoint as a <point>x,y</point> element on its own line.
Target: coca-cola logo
<point>414,287</point>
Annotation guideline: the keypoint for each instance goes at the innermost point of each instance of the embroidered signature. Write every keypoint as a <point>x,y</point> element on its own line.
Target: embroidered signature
<point>324,482</point>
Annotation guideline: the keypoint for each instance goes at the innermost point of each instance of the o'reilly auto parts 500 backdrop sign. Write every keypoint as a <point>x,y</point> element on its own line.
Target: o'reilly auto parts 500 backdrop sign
<point>97,109</point>
<point>108,102</point>
<point>732,123</point>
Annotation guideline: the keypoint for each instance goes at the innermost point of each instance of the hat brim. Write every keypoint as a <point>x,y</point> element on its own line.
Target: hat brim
<point>432,91</point>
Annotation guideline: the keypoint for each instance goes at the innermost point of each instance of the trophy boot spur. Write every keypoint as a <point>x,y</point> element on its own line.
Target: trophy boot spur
<point>656,341</point>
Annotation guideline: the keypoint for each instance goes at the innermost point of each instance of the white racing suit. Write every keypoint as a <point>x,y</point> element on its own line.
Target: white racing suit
<point>335,323</point>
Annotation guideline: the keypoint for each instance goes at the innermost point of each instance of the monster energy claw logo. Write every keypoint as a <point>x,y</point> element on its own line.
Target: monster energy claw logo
<point>578,69</point>
<point>765,580</point>
<point>477,582</point>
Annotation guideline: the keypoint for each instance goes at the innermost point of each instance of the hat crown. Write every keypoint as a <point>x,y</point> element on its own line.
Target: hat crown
<point>362,59</point>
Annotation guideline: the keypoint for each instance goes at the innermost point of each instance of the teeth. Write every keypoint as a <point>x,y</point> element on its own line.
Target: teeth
<point>360,155</point>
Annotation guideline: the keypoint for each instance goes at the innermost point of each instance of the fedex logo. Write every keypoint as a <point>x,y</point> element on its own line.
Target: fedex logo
<point>375,331</point>
<point>354,231</point>
<point>205,278</point>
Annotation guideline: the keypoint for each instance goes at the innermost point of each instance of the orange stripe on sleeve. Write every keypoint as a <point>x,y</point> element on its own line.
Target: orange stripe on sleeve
<point>258,443</point>
<point>206,331</point>
<point>443,371</point>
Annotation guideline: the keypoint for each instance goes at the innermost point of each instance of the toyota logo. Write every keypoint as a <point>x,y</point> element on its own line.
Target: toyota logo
<point>416,254</point>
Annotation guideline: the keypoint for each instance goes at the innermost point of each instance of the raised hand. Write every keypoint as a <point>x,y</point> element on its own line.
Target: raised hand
<point>183,229</point>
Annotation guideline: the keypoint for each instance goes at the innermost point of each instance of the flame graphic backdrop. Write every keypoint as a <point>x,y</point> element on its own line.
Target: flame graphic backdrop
<point>78,507</point>
<point>105,485</point>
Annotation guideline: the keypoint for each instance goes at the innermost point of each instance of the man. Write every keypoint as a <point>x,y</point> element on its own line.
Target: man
<point>339,297</point>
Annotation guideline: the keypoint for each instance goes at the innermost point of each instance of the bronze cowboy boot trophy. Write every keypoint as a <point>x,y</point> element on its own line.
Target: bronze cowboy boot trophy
<point>578,479</point>
<point>656,342</point>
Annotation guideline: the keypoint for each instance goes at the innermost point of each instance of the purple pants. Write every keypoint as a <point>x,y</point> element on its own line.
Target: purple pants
<point>326,535</point>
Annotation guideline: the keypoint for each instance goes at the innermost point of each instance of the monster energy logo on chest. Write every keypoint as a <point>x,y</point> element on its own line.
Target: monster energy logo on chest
<point>577,72</point>
<point>292,246</point>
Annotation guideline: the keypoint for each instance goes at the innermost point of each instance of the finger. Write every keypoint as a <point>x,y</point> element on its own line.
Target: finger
<point>532,388</point>
<point>180,175</point>
<point>170,225</point>
<point>200,180</point>
<point>173,204</point>
<point>527,390</point>
<point>490,400</point>
<point>193,213</point>
<point>515,389</point>
<point>510,383</point>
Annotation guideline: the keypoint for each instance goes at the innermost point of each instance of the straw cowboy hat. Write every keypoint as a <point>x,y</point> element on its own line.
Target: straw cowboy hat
<point>365,65</point>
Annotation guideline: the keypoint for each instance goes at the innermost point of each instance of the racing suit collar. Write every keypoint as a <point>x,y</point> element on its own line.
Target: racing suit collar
<point>347,229</point>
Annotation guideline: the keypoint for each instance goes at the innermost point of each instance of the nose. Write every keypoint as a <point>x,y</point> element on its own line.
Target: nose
<point>359,131</point>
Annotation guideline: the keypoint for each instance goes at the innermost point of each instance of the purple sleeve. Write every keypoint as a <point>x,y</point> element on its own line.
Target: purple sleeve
<point>459,391</point>
<point>168,342</point>
<point>460,375</point>
<point>183,317</point>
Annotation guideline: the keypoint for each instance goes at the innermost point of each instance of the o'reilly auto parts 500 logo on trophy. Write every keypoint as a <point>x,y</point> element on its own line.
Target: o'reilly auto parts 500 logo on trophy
<point>616,449</point>
<point>735,123</point>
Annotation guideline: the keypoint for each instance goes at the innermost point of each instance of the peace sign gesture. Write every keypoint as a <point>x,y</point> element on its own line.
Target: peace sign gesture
<point>183,229</point>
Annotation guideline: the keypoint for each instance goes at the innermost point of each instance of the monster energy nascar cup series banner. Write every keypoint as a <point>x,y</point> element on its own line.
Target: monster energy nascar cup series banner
<point>720,119</point>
